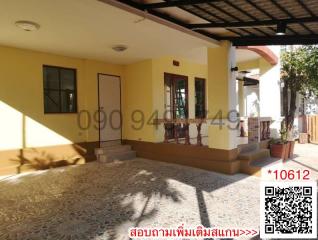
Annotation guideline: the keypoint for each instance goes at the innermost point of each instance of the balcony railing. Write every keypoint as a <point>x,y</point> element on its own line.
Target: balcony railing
<point>178,129</point>
<point>259,129</point>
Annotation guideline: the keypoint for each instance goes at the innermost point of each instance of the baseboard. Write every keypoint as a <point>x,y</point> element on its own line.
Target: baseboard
<point>46,157</point>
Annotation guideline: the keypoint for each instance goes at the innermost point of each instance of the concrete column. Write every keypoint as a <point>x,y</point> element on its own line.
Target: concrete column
<point>222,97</point>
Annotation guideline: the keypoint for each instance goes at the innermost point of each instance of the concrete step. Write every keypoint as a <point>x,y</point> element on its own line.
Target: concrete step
<point>110,143</point>
<point>248,147</point>
<point>124,155</point>
<point>266,162</point>
<point>113,149</point>
<point>254,155</point>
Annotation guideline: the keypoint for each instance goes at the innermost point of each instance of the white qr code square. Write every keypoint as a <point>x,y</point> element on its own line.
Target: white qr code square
<point>288,210</point>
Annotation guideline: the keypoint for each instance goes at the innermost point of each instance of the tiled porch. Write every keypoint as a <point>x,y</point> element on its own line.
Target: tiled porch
<point>101,201</point>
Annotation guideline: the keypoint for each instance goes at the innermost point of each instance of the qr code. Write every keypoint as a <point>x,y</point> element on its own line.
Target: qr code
<point>288,210</point>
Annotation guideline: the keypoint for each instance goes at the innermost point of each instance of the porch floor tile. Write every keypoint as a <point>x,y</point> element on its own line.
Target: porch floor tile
<point>102,201</point>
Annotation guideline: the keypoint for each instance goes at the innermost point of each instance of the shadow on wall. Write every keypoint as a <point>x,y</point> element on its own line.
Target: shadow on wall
<point>28,127</point>
<point>19,133</point>
<point>101,201</point>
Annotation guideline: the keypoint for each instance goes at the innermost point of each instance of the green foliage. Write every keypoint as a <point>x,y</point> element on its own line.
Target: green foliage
<point>300,70</point>
<point>300,75</point>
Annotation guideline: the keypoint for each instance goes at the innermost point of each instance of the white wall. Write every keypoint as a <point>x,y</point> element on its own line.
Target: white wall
<point>269,91</point>
<point>251,101</point>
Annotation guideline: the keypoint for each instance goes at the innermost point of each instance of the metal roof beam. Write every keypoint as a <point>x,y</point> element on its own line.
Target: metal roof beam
<point>178,3</point>
<point>207,19</point>
<point>306,7</point>
<point>250,24</point>
<point>291,16</point>
<point>246,13</point>
<point>267,14</point>
<point>274,40</point>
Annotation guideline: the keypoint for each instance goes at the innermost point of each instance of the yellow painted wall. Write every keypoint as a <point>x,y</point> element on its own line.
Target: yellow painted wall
<point>144,91</point>
<point>218,72</point>
<point>22,119</point>
<point>248,65</point>
<point>187,68</point>
<point>138,101</point>
<point>222,96</point>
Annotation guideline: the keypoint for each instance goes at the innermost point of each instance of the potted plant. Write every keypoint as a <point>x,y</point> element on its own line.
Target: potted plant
<point>280,147</point>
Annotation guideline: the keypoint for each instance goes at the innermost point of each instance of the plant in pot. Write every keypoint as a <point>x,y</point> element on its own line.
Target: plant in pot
<point>279,147</point>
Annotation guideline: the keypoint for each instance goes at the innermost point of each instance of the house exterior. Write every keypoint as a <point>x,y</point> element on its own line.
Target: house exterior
<point>54,106</point>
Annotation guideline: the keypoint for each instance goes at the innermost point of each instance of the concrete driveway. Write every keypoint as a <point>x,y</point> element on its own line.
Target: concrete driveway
<point>101,201</point>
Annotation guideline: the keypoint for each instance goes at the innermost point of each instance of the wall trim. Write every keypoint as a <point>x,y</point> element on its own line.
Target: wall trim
<point>224,161</point>
<point>19,160</point>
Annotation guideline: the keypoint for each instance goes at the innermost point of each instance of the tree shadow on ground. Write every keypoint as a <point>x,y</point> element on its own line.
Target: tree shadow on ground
<point>96,201</point>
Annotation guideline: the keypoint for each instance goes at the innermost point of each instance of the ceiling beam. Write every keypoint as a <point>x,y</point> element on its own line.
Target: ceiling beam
<point>228,14</point>
<point>284,10</point>
<point>161,18</point>
<point>249,24</point>
<point>274,40</point>
<point>253,4</point>
<point>237,8</point>
<point>178,3</point>
<point>208,19</point>
<point>306,8</point>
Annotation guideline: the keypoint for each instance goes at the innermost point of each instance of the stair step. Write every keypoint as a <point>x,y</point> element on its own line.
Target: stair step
<point>124,155</point>
<point>110,143</point>
<point>114,149</point>
<point>266,162</point>
<point>254,155</point>
<point>248,147</point>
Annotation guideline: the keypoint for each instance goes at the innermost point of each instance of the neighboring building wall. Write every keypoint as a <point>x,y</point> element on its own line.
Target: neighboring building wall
<point>310,105</point>
<point>22,119</point>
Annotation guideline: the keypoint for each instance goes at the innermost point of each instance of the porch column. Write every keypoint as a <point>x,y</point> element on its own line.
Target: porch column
<point>222,97</point>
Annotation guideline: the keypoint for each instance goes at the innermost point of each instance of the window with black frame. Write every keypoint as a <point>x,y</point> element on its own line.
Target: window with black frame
<point>200,111</point>
<point>60,93</point>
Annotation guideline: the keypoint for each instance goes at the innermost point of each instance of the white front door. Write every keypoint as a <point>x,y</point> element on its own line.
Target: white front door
<point>109,107</point>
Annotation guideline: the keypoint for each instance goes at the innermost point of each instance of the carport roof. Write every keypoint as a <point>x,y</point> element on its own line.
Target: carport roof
<point>244,22</point>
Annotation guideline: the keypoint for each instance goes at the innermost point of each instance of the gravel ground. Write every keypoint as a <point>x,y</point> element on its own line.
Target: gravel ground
<point>101,201</point>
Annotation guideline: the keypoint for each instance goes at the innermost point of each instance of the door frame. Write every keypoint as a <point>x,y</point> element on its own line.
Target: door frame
<point>120,104</point>
<point>186,79</point>
<point>172,104</point>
